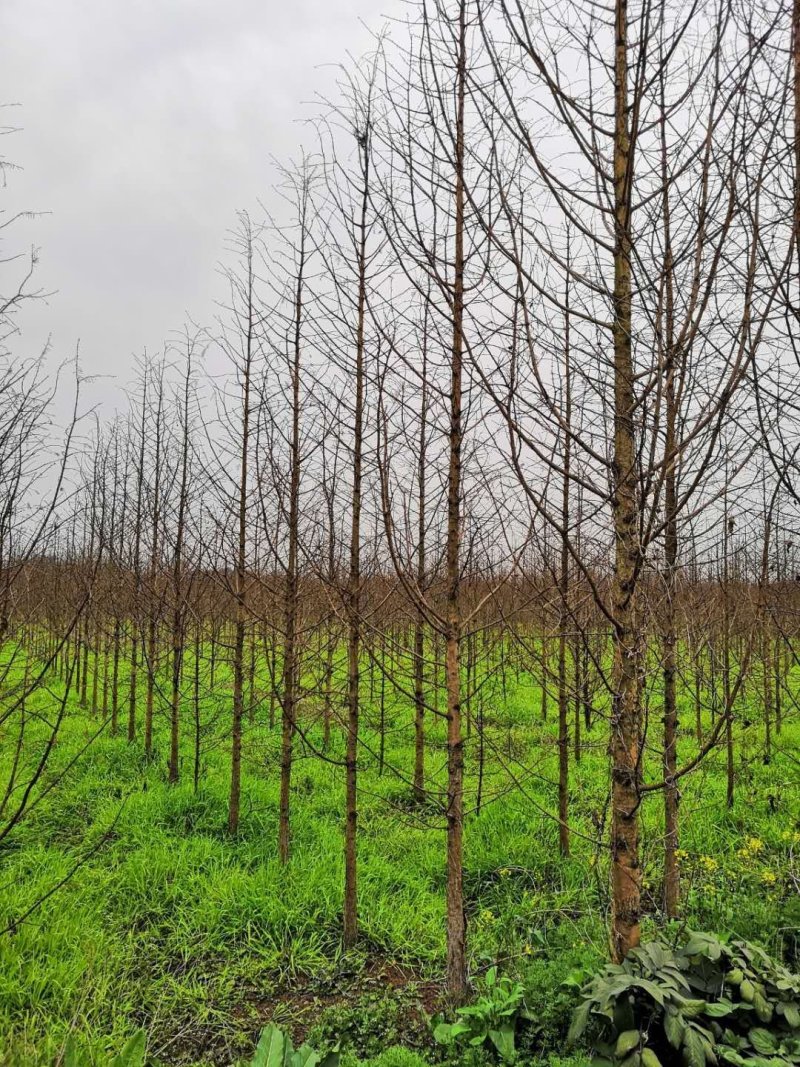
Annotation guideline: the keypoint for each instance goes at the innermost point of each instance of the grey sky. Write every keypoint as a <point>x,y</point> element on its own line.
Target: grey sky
<point>145,125</point>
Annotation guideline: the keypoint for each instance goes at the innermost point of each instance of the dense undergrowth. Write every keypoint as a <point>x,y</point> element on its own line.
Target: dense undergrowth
<point>165,923</point>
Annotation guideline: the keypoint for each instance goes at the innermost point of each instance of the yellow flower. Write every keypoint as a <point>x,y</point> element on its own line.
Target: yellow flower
<point>528,950</point>
<point>769,877</point>
<point>709,863</point>
<point>755,845</point>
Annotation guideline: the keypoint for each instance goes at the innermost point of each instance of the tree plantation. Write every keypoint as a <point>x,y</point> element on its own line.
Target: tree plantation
<point>409,674</point>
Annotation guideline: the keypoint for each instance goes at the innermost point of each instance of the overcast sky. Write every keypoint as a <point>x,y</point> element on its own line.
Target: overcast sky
<point>145,124</point>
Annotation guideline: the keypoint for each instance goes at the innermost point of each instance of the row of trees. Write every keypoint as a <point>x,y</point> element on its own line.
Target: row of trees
<point>511,389</point>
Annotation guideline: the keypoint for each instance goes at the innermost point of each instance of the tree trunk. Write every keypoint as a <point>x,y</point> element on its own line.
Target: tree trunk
<point>626,877</point>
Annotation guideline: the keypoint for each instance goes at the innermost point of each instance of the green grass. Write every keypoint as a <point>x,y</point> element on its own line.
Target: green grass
<point>172,925</point>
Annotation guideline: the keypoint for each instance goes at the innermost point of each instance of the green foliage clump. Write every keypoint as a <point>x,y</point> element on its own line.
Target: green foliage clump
<point>397,1056</point>
<point>706,1002</point>
<point>552,986</point>
<point>132,1054</point>
<point>491,1020</point>
<point>275,1049</point>
<point>365,1028</point>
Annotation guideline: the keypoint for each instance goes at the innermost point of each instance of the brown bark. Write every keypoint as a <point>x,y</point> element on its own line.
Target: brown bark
<point>456,918</point>
<point>419,622</point>
<point>152,621</point>
<point>670,754</point>
<point>626,877</point>
<point>240,576</point>
<point>177,583</point>
<point>564,613</point>
<point>354,582</point>
<point>289,701</point>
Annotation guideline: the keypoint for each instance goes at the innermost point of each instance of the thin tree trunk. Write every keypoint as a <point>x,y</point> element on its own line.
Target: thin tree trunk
<point>288,707</point>
<point>456,917</point>
<point>670,758</point>
<point>240,576</point>
<point>564,614</point>
<point>177,586</point>
<point>354,583</point>
<point>196,695</point>
<point>419,621</point>
<point>626,875</point>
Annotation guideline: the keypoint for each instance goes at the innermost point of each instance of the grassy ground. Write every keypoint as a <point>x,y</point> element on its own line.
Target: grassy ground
<point>165,922</point>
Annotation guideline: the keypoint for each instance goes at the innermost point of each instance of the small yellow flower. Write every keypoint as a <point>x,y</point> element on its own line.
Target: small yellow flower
<point>755,845</point>
<point>709,863</point>
<point>528,950</point>
<point>681,855</point>
<point>769,877</point>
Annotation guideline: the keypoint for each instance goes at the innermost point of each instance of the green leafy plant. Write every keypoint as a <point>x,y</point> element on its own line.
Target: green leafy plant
<point>552,990</point>
<point>365,1027</point>
<point>275,1049</point>
<point>133,1053</point>
<point>491,1021</point>
<point>707,1001</point>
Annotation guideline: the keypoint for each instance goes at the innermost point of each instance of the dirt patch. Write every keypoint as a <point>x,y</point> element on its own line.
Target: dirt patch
<point>355,997</point>
<point>297,1008</point>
